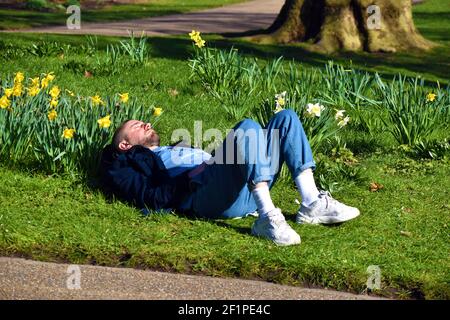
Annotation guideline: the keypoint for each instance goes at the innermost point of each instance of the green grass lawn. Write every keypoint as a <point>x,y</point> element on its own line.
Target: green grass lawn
<point>403,228</point>
<point>21,19</point>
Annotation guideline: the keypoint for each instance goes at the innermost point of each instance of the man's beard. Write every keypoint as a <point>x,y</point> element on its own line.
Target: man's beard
<point>152,140</point>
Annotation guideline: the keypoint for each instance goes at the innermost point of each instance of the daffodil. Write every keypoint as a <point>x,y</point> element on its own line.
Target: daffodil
<point>52,115</point>
<point>35,82</point>
<point>339,114</point>
<point>278,109</point>
<point>50,77</point>
<point>124,97</point>
<point>17,90</point>
<point>44,83</point>
<point>8,92</point>
<point>194,35</point>
<point>157,111</point>
<point>104,122</point>
<point>18,78</point>
<point>54,92</point>
<point>343,122</point>
<point>96,100</point>
<point>4,102</point>
<point>431,97</point>
<point>280,99</point>
<point>200,43</point>
<point>53,103</point>
<point>46,80</point>
<point>314,109</point>
<point>33,91</point>
<point>68,133</point>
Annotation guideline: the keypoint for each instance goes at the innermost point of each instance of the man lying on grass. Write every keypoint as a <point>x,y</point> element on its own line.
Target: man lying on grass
<point>233,183</point>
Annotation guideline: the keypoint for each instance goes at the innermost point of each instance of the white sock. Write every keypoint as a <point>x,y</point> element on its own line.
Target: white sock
<point>306,186</point>
<point>263,200</point>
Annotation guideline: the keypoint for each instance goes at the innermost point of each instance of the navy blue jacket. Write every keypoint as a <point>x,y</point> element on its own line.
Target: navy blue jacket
<point>139,177</point>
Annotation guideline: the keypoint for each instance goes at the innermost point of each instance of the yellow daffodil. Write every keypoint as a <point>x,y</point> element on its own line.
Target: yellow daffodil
<point>18,78</point>
<point>200,43</point>
<point>17,90</point>
<point>35,82</point>
<point>124,97</point>
<point>343,122</point>
<point>50,77</point>
<point>68,133</point>
<point>194,35</point>
<point>314,109</point>
<point>157,111</point>
<point>8,92</point>
<point>54,92</point>
<point>53,103</point>
<point>33,91</point>
<point>431,97</point>
<point>52,115</point>
<point>44,83</point>
<point>4,102</point>
<point>104,122</point>
<point>46,80</point>
<point>96,100</point>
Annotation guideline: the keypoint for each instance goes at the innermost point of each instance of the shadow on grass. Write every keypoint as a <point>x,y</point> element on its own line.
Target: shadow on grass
<point>13,19</point>
<point>223,224</point>
<point>433,65</point>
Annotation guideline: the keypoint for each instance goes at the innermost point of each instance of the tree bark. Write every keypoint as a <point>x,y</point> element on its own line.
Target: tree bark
<point>334,25</point>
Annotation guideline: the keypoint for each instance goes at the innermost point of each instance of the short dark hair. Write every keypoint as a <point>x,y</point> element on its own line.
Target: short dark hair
<point>119,135</point>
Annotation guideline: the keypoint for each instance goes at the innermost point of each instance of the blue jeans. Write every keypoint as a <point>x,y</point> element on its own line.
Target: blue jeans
<point>224,187</point>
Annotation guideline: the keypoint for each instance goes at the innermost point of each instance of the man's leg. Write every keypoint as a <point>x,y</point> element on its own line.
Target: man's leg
<point>223,189</point>
<point>294,149</point>
<point>287,141</point>
<point>238,181</point>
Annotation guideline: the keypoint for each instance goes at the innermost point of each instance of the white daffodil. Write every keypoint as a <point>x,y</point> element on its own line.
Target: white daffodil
<point>343,122</point>
<point>339,114</point>
<point>278,109</point>
<point>280,99</point>
<point>314,109</point>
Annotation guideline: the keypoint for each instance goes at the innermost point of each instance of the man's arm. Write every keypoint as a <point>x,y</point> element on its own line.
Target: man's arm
<point>141,191</point>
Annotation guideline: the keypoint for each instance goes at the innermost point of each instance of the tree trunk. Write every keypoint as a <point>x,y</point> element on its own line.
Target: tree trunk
<point>350,25</point>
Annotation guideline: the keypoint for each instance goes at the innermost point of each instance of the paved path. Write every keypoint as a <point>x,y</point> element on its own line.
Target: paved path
<point>251,15</point>
<point>26,279</point>
<point>240,17</point>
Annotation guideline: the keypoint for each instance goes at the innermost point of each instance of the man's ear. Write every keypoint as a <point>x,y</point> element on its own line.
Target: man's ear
<point>124,145</point>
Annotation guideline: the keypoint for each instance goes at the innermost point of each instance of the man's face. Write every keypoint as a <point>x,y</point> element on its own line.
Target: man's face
<point>140,133</point>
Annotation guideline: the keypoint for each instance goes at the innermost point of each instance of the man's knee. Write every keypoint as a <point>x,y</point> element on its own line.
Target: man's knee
<point>247,124</point>
<point>287,114</point>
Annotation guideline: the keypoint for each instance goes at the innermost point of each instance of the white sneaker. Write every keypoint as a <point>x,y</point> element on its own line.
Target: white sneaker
<point>326,210</point>
<point>273,226</point>
<point>250,214</point>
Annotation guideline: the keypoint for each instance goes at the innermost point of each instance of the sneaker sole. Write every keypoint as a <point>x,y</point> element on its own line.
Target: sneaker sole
<point>278,243</point>
<point>300,219</point>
